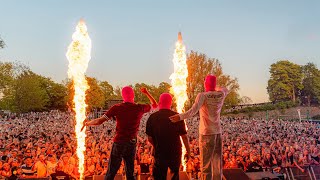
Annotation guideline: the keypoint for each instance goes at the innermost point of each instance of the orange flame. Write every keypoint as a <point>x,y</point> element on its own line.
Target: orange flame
<point>79,56</point>
<point>179,82</point>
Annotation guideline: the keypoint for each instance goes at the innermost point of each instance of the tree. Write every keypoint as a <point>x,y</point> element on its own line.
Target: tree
<point>163,87</point>
<point>199,66</point>
<point>140,97</point>
<point>107,90</point>
<point>117,93</point>
<point>29,95</point>
<point>311,84</point>
<point>56,92</point>
<point>285,82</point>
<point>155,91</point>
<point>94,95</point>
<point>6,74</point>
<point>232,85</point>
<point>2,44</point>
<point>9,71</point>
<point>246,100</point>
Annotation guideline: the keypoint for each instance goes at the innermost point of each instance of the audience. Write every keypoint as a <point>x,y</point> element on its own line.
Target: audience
<point>38,144</point>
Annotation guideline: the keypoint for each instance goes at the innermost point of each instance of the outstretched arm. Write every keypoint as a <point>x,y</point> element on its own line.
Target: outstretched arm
<point>97,121</point>
<point>191,112</point>
<point>94,122</point>
<point>152,100</point>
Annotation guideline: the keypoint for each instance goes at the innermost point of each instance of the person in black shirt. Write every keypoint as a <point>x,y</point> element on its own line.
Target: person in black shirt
<point>27,168</point>
<point>165,138</point>
<point>254,166</point>
<point>59,174</point>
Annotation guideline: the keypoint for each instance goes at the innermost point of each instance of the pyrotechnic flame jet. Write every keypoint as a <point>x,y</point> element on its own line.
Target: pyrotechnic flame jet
<point>79,55</point>
<point>179,82</point>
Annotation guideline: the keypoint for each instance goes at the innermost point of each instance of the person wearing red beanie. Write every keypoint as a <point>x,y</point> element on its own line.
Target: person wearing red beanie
<point>165,138</point>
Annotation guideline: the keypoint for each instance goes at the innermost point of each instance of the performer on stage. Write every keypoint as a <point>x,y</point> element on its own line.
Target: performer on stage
<point>128,115</point>
<point>165,138</point>
<point>209,105</point>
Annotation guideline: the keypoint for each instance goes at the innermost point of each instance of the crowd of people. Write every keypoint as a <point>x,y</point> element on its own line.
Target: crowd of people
<point>40,144</point>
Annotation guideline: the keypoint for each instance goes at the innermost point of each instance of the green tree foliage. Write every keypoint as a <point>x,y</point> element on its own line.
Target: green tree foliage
<point>199,66</point>
<point>141,98</point>
<point>311,84</point>
<point>285,82</point>
<point>32,92</point>
<point>56,92</point>
<point>155,91</point>
<point>9,71</point>
<point>163,87</point>
<point>29,93</point>
<point>6,74</point>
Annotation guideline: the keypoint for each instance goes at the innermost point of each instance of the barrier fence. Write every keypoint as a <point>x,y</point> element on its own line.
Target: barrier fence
<point>311,172</point>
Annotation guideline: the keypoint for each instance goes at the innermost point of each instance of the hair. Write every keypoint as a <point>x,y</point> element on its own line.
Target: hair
<point>25,158</point>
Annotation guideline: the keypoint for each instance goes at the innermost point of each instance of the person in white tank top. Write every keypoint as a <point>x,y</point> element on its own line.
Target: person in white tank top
<point>209,105</point>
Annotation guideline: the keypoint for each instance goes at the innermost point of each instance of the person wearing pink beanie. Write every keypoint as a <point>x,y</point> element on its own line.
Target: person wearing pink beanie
<point>209,105</point>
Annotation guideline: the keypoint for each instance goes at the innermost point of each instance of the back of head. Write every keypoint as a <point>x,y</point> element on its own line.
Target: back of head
<point>165,101</point>
<point>127,94</point>
<point>210,83</point>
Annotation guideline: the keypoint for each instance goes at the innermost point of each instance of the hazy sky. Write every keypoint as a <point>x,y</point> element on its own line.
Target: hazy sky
<point>133,41</point>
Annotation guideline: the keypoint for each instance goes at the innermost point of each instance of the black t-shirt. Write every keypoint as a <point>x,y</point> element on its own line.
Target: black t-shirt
<point>165,134</point>
<point>254,167</point>
<point>269,162</point>
<point>26,170</point>
<point>59,175</point>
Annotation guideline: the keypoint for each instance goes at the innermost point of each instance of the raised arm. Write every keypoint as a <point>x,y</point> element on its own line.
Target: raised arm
<point>152,100</point>
<point>191,112</point>
<point>223,89</point>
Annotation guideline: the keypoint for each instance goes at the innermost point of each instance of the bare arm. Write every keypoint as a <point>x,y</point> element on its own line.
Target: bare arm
<point>296,164</point>
<point>97,121</point>
<point>274,159</point>
<point>186,143</point>
<point>150,97</point>
<point>191,112</point>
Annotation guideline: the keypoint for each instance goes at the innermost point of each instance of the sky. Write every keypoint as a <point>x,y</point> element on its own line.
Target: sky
<point>133,41</point>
